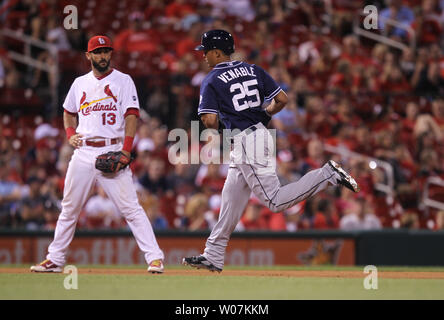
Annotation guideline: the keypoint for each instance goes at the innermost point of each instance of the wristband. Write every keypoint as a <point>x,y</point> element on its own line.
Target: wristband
<point>128,144</point>
<point>70,131</point>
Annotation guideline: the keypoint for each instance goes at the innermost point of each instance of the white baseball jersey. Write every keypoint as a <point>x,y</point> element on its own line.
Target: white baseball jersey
<point>101,103</point>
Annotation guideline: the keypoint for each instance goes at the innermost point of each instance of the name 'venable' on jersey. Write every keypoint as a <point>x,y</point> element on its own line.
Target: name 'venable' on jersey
<point>236,91</point>
<point>101,103</point>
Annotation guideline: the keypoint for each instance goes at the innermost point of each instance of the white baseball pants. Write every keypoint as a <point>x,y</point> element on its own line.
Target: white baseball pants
<point>80,178</point>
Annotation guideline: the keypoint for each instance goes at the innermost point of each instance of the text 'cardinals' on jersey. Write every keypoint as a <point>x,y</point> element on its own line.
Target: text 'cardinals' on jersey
<point>102,103</point>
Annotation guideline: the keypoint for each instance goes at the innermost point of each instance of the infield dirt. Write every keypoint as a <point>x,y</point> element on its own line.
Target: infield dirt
<point>256,273</point>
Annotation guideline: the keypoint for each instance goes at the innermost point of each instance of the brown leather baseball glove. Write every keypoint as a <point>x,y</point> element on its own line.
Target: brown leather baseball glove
<point>108,162</point>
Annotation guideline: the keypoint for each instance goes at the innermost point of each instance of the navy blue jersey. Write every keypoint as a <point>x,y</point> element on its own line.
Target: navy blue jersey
<point>236,90</point>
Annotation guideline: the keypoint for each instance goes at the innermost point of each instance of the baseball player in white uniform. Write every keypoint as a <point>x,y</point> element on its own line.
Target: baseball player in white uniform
<point>106,104</point>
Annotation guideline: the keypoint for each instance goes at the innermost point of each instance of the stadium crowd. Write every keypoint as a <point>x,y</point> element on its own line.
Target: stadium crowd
<point>345,91</point>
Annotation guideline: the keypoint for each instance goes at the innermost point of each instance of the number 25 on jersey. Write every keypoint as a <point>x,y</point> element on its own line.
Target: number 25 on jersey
<point>247,89</point>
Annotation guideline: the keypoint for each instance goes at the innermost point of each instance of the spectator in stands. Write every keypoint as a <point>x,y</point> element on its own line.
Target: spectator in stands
<point>439,220</point>
<point>290,119</point>
<point>410,220</point>
<point>177,11</point>
<point>352,51</point>
<point>428,124</point>
<point>318,120</point>
<point>407,62</point>
<point>136,38</point>
<point>363,141</point>
<point>42,156</point>
<point>316,156</point>
<point>322,65</point>
<point>325,216</point>
<point>9,155</point>
<point>32,206</point>
<point>281,76</point>
<point>293,215</point>
<point>429,164</point>
<point>213,182</point>
<point>2,74</point>
<point>181,179</point>
<point>155,12</point>
<point>252,218</point>
<point>159,137</point>
<point>241,9</point>
<point>342,78</point>
<point>157,104</point>
<point>306,14</point>
<point>345,114</point>
<point>378,53</point>
<point>424,141</point>
<point>187,43</point>
<point>11,76</point>
<point>285,167</point>
<point>426,79</point>
<point>197,213</point>
<point>399,12</point>
<point>306,219</point>
<point>100,212</point>
<point>360,216</point>
<point>154,180</point>
<point>392,80</point>
<point>10,194</point>
<point>427,24</point>
<point>438,113</point>
<point>180,91</point>
<point>342,15</point>
<point>151,205</point>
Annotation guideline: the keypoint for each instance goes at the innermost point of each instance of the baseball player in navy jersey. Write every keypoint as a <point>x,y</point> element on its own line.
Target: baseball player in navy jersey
<point>106,105</point>
<point>234,93</point>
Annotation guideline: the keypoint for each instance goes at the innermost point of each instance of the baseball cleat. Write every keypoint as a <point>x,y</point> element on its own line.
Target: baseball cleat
<point>46,266</point>
<point>156,266</point>
<point>200,262</point>
<point>345,179</point>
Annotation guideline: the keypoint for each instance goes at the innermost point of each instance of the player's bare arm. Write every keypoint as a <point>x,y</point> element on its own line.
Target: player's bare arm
<point>130,132</point>
<point>70,121</point>
<point>278,103</point>
<point>130,129</point>
<point>210,121</point>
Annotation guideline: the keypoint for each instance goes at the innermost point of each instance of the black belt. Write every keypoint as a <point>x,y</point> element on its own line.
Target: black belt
<point>250,128</point>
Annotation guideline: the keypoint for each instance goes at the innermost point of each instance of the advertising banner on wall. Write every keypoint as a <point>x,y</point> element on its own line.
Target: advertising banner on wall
<point>241,251</point>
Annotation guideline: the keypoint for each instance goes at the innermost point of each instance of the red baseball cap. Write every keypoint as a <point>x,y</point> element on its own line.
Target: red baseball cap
<point>99,42</point>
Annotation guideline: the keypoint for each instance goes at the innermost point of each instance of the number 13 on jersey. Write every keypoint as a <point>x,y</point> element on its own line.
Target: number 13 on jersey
<point>247,89</point>
<point>108,118</point>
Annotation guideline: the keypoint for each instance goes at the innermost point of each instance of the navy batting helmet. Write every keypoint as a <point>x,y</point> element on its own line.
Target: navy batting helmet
<point>217,39</point>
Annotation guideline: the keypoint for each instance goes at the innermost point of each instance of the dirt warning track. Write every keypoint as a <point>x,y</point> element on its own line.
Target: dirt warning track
<point>254,273</point>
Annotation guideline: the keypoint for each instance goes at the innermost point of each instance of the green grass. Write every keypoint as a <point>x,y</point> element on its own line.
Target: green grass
<point>213,287</point>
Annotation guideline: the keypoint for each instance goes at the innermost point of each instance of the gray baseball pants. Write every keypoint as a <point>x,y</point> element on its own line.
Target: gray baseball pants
<point>253,169</point>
